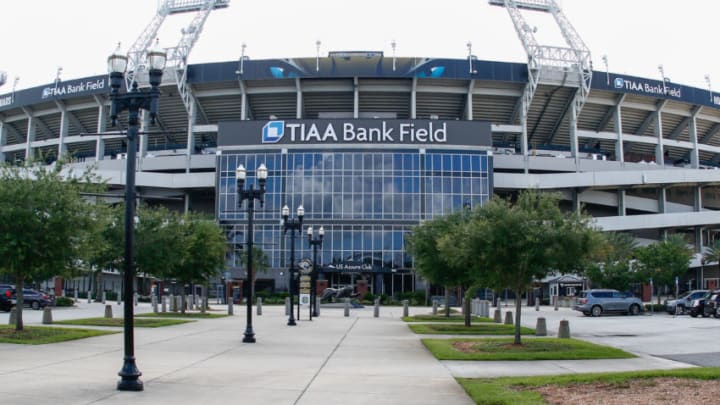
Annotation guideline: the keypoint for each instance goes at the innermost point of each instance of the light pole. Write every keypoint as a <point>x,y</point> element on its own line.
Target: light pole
<point>315,242</point>
<point>250,195</point>
<point>133,101</point>
<point>292,225</point>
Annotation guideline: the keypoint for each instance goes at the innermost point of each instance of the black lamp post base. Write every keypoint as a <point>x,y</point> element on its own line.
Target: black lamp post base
<point>249,336</point>
<point>129,376</point>
<point>291,322</point>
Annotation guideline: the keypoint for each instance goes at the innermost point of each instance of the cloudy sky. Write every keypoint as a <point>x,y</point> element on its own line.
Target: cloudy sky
<point>637,36</point>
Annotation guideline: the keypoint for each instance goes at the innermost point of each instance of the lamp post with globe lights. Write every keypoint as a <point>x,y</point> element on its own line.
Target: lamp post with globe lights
<point>292,225</point>
<point>250,195</point>
<point>133,101</point>
<point>315,242</point>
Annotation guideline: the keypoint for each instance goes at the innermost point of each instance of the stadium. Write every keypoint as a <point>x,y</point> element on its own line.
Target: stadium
<point>372,144</point>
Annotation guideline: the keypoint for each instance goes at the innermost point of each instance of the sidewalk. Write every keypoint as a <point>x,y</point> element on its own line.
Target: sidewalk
<point>331,360</point>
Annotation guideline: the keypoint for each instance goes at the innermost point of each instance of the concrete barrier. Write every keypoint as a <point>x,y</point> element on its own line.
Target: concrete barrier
<point>47,316</point>
<point>108,311</point>
<point>508,318</point>
<point>541,327</point>
<point>564,330</point>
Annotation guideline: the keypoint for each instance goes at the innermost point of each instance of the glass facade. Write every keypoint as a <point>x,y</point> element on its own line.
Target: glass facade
<point>365,199</point>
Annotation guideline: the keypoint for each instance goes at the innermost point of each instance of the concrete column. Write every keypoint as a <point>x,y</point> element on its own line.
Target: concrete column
<point>298,99</point>
<point>30,138</point>
<point>64,128</point>
<point>621,202</point>
<point>619,146</point>
<point>143,137</point>
<point>662,199</point>
<point>659,149</point>
<point>3,141</point>
<point>692,131</point>
<point>101,125</point>
<point>697,198</point>
<point>192,120</point>
<point>524,133</point>
<point>413,99</point>
<point>572,131</point>
<point>356,98</point>
<point>469,104</point>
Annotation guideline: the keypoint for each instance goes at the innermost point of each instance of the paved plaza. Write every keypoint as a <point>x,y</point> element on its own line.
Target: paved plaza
<point>333,359</point>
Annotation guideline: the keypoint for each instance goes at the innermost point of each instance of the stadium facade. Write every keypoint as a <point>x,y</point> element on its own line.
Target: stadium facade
<point>371,145</point>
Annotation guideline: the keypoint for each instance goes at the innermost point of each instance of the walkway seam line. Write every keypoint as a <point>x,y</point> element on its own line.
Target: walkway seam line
<point>322,366</point>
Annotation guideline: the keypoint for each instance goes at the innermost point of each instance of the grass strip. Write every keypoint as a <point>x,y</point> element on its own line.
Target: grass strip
<point>460,329</point>
<point>197,315</point>
<point>518,390</point>
<point>40,335</point>
<point>119,322</point>
<point>530,349</point>
<point>443,318</point>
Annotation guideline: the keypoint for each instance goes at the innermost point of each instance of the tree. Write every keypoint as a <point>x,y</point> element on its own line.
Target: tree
<point>431,245</point>
<point>613,268</point>
<point>260,264</point>
<point>107,247</point>
<point>203,251</point>
<point>43,224</point>
<point>663,261</point>
<point>159,243</point>
<point>516,244</point>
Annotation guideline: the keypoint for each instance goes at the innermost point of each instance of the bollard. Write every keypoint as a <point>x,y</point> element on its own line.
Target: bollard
<point>497,317</point>
<point>435,306</point>
<point>406,311</point>
<point>203,305</point>
<point>171,303</point>
<point>13,316</point>
<point>154,302</point>
<point>287,306</point>
<point>47,316</point>
<point>537,304</point>
<point>119,297</point>
<point>76,295</point>
<point>230,306</point>
<point>376,310</point>
<point>541,327</point>
<point>135,299</point>
<point>347,307</point>
<point>108,311</point>
<point>555,298</point>
<point>178,303</point>
<point>259,306</point>
<point>104,295</point>
<point>89,296</point>
<point>163,304</point>
<point>508,318</point>
<point>317,307</point>
<point>564,330</point>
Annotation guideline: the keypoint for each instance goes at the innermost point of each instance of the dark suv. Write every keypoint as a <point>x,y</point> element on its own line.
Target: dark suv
<point>705,305</point>
<point>34,299</point>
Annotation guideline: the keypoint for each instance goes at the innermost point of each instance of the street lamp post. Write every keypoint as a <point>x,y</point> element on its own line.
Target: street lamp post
<point>250,195</point>
<point>133,101</point>
<point>315,242</point>
<point>292,225</point>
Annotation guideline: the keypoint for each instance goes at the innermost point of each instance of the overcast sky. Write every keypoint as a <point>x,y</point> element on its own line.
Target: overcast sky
<point>36,37</point>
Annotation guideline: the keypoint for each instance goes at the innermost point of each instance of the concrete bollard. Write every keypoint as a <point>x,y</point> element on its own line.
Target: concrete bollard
<point>541,327</point>
<point>376,309</point>
<point>555,298</point>
<point>230,307</point>
<point>287,306</point>
<point>75,295</point>
<point>537,304</point>
<point>435,307</point>
<point>163,304</point>
<point>317,307</point>
<point>497,316</point>
<point>154,303</point>
<point>178,303</point>
<point>564,330</point>
<point>171,303</point>
<point>347,307</point>
<point>135,299</point>
<point>89,293</point>
<point>108,311</point>
<point>508,318</point>
<point>104,296</point>
<point>203,304</point>
<point>406,309</point>
<point>259,306</point>
<point>119,297</point>
<point>13,316</point>
<point>47,316</point>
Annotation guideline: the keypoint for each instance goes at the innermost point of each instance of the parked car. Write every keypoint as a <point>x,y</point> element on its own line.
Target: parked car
<point>684,301</point>
<point>697,307</point>
<point>34,299</point>
<point>595,302</point>
<point>712,304</point>
<point>7,300</point>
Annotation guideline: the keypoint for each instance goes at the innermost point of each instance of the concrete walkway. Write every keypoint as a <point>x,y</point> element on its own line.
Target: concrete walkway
<point>331,360</point>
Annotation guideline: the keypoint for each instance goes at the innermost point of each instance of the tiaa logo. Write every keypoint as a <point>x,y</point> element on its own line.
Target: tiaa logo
<point>273,131</point>
<point>619,82</point>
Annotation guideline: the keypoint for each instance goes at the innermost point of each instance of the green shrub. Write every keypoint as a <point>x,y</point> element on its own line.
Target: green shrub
<point>368,297</point>
<point>64,302</point>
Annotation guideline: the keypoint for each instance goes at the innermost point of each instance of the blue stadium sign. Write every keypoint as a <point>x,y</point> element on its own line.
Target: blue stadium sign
<point>426,133</point>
